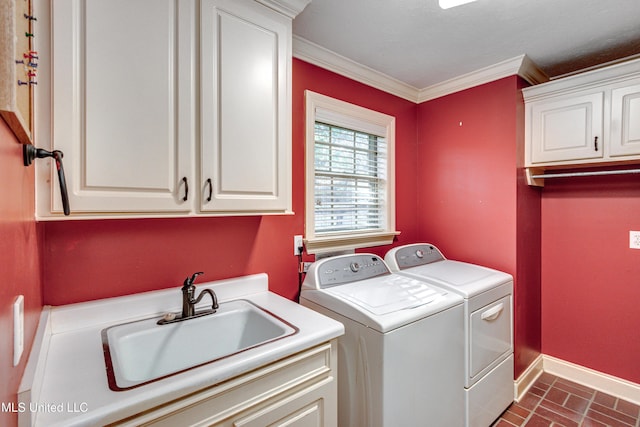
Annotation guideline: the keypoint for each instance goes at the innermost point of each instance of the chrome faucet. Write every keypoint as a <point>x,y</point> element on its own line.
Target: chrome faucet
<point>189,302</point>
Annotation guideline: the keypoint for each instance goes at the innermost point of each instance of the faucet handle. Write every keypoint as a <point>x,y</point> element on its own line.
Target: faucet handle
<point>188,282</point>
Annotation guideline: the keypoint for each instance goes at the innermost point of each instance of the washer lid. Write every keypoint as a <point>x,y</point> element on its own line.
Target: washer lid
<point>464,278</point>
<point>384,303</point>
<point>387,295</point>
<point>360,287</point>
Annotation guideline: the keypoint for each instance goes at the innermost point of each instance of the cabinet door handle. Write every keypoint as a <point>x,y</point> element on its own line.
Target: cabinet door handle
<point>186,189</point>
<point>595,143</point>
<point>210,184</point>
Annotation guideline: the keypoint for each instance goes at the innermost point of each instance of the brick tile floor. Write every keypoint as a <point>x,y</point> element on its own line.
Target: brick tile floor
<point>554,401</point>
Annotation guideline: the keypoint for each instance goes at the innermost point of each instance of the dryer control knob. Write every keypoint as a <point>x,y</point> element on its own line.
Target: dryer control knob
<point>420,253</point>
<point>354,267</point>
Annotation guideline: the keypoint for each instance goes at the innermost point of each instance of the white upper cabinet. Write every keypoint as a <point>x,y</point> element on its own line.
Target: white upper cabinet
<point>567,128</point>
<point>118,88</point>
<point>625,120</point>
<point>587,119</point>
<point>166,107</point>
<point>245,108</point>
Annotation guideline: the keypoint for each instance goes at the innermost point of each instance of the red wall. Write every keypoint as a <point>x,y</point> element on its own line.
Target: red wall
<point>20,265</point>
<point>472,200</point>
<point>591,279</point>
<point>459,187</point>
<point>85,260</point>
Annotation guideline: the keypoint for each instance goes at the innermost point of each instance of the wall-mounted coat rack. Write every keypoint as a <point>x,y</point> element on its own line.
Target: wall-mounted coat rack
<point>30,153</point>
<point>18,67</point>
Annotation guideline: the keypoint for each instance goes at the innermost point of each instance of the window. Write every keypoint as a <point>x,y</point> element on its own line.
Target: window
<point>350,194</point>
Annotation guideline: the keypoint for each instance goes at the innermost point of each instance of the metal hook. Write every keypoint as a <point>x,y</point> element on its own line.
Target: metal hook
<point>30,153</point>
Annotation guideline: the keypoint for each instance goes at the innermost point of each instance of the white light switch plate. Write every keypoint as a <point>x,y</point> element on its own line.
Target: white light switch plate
<point>634,239</point>
<point>18,329</point>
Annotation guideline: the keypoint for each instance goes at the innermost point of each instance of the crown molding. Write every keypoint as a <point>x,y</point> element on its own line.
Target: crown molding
<point>310,52</point>
<point>520,65</point>
<point>609,64</point>
<point>290,8</point>
<point>594,77</point>
<point>530,71</point>
<point>329,60</point>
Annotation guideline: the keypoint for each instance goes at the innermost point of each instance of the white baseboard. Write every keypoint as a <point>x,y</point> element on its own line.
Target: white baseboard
<point>527,378</point>
<point>605,383</point>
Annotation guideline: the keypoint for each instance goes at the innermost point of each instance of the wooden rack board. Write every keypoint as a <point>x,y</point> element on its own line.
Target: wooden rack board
<point>16,101</point>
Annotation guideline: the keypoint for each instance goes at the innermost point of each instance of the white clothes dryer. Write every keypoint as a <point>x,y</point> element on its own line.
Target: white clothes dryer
<point>488,324</point>
<point>399,362</point>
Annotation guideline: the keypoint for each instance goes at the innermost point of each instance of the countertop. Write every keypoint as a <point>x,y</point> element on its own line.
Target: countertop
<point>65,382</point>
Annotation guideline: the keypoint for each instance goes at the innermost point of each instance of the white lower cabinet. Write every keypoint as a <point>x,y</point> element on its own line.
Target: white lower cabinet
<point>298,391</point>
<point>184,112</point>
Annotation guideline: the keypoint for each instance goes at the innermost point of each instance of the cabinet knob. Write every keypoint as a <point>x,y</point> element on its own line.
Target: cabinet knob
<point>595,143</point>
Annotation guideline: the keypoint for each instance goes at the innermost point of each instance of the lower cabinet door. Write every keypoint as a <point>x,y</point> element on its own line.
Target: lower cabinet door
<point>309,408</point>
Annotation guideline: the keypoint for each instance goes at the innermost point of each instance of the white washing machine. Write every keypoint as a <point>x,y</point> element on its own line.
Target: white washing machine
<point>488,324</point>
<point>399,360</point>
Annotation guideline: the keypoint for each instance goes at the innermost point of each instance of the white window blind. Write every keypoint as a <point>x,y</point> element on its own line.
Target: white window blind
<point>350,176</point>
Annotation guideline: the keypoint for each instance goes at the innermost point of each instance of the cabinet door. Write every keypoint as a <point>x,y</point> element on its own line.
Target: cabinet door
<point>308,408</point>
<point>121,88</point>
<point>245,108</point>
<point>567,129</point>
<point>625,121</point>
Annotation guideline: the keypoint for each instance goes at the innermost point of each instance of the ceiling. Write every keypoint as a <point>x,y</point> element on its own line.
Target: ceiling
<point>421,45</point>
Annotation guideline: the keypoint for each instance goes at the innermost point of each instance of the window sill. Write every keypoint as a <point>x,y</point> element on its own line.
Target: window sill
<point>336,243</point>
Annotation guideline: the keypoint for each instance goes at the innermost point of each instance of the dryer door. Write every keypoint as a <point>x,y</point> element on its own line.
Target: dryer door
<point>490,335</point>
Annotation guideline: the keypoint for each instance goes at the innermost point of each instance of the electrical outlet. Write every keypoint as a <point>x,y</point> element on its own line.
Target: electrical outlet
<point>297,243</point>
<point>18,329</point>
<point>634,239</point>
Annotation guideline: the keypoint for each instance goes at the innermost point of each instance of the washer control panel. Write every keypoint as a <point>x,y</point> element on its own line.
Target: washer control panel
<point>348,268</point>
<point>419,254</point>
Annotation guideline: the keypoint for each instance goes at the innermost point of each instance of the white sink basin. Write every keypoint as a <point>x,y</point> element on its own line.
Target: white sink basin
<point>140,352</point>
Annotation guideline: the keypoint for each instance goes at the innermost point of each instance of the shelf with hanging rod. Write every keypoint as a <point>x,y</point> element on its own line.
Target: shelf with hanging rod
<point>587,120</point>
<point>536,176</point>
